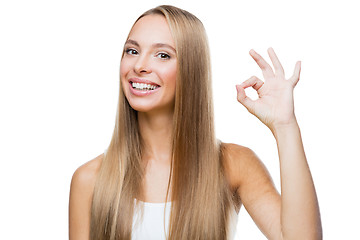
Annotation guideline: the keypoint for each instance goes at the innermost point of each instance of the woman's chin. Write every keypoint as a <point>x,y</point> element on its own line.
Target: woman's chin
<point>152,109</point>
<point>141,108</point>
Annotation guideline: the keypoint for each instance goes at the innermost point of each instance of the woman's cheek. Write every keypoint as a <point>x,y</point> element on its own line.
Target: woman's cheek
<point>172,76</point>
<point>123,68</point>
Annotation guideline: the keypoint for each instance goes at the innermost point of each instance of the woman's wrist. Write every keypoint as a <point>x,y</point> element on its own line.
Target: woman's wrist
<point>280,129</point>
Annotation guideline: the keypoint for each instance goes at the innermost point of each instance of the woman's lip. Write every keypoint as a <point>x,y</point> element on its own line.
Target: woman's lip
<point>141,93</point>
<point>139,80</point>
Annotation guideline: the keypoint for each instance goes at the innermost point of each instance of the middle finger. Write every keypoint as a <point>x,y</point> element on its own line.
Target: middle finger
<point>264,66</point>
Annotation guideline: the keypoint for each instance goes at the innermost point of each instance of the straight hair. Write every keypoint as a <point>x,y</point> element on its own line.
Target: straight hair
<point>200,195</point>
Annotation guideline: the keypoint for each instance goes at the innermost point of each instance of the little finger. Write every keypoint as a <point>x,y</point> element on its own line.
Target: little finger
<point>296,76</point>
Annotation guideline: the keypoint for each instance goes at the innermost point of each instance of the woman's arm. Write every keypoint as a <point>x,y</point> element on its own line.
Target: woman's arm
<point>81,191</point>
<point>299,214</point>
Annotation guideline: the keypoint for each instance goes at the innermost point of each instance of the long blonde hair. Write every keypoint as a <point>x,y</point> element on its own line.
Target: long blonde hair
<point>200,195</point>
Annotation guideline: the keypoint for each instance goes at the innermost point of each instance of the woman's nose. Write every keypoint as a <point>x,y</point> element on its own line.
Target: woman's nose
<point>142,65</point>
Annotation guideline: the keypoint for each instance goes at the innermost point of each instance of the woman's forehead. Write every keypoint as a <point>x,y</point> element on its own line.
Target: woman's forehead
<point>152,29</point>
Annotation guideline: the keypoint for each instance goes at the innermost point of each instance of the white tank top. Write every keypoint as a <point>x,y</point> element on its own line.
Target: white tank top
<point>152,226</point>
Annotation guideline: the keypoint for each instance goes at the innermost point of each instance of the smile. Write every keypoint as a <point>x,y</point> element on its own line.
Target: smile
<point>143,86</point>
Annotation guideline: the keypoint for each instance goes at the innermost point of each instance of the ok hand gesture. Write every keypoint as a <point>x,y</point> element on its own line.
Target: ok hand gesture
<point>275,105</point>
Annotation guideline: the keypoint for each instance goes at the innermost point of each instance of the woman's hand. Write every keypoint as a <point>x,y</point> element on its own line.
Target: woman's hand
<point>275,105</point>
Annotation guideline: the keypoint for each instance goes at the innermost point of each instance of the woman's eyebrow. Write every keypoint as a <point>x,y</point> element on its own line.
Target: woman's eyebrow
<point>157,45</point>
<point>129,41</point>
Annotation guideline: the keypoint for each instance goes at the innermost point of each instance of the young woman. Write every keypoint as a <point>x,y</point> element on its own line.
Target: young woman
<point>164,174</point>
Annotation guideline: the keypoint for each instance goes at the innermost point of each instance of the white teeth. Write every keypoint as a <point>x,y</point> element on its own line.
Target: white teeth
<point>144,86</point>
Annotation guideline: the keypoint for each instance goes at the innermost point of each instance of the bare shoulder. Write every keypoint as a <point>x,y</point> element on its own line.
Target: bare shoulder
<point>83,180</point>
<point>254,186</point>
<point>233,152</point>
<point>241,163</point>
<point>87,172</point>
<point>81,191</point>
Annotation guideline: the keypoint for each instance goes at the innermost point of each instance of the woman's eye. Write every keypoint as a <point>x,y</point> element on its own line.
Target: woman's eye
<point>163,56</point>
<point>131,51</point>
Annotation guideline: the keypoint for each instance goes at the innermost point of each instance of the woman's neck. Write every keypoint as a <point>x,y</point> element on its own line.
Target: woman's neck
<point>156,133</point>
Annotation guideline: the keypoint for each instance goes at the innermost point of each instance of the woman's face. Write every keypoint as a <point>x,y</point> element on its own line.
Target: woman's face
<point>148,67</point>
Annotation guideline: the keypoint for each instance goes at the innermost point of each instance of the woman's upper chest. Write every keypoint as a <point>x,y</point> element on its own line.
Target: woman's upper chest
<point>155,181</point>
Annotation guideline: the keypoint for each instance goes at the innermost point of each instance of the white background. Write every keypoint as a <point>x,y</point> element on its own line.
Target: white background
<point>59,63</point>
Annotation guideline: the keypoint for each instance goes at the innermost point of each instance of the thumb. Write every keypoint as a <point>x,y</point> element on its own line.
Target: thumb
<point>243,99</point>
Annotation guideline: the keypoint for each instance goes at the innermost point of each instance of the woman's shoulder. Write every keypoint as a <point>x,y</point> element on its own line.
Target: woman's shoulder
<point>236,155</point>
<point>81,191</point>
<point>85,175</point>
<point>238,161</point>
<point>234,151</point>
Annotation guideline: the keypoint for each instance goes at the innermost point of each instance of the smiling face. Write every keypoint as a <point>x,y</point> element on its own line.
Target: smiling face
<point>149,64</point>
